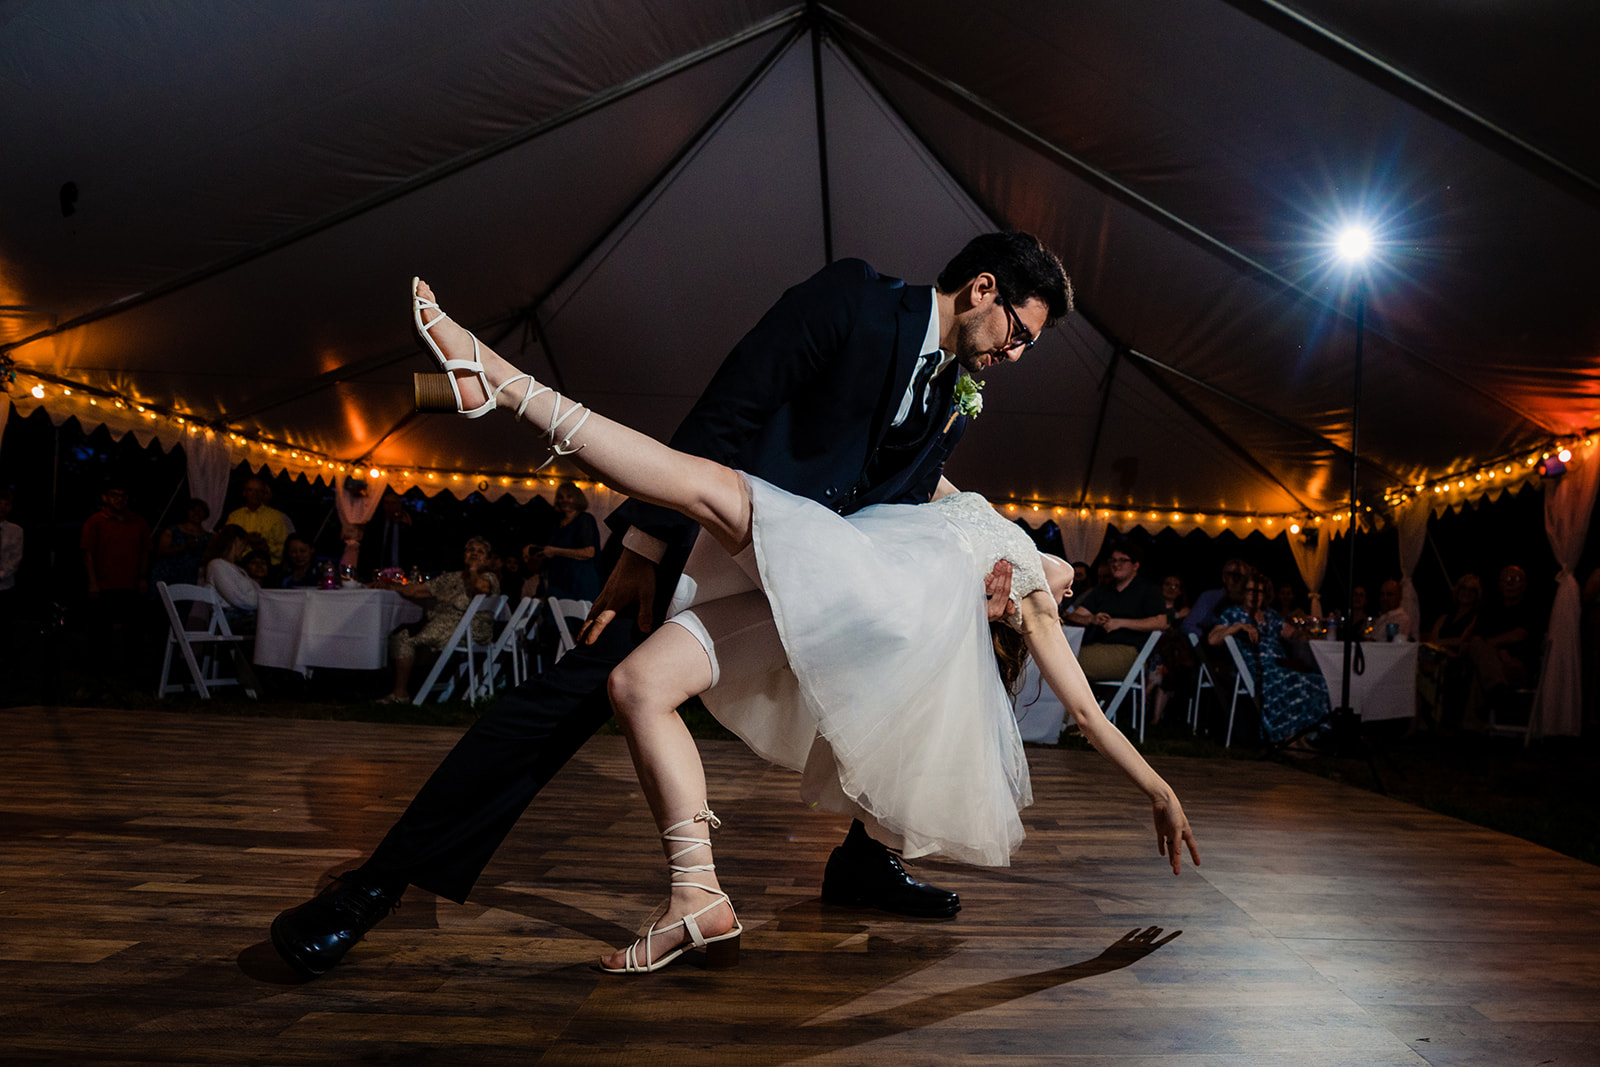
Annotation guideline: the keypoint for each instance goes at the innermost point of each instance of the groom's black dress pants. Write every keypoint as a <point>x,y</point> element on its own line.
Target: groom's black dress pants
<point>459,817</point>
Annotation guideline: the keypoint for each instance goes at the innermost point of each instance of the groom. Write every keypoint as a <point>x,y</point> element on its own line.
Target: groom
<point>844,393</point>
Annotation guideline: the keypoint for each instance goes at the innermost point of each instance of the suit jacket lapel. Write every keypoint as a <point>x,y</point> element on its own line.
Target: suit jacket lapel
<point>911,326</point>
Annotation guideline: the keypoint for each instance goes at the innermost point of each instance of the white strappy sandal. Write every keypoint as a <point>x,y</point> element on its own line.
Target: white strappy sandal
<point>721,950</point>
<point>442,392</point>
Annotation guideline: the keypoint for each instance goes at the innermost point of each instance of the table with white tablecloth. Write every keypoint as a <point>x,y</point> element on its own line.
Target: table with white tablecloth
<point>1386,689</point>
<point>299,629</point>
<point>1040,716</point>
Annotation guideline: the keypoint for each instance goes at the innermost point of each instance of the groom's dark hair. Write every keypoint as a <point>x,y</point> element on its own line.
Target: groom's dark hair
<point>1022,266</point>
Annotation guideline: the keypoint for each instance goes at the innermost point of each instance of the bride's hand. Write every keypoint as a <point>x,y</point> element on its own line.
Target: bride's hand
<point>632,581</point>
<point>1172,832</point>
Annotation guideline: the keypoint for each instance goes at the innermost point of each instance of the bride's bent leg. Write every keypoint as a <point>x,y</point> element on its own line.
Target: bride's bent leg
<point>646,690</point>
<point>708,492</point>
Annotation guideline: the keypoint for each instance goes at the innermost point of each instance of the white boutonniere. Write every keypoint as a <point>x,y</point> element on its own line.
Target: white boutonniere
<point>969,399</point>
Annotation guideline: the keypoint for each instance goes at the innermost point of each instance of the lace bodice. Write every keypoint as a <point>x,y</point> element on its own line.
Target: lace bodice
<point>994,538</point>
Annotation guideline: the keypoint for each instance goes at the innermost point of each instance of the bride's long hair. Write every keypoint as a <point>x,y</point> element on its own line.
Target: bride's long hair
<point>1010,654</point>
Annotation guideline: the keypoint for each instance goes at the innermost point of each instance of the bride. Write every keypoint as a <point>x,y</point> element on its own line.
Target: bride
<point>853,649</point>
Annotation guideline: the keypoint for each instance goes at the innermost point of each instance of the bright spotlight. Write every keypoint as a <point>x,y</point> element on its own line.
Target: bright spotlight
<point>1354,243</point>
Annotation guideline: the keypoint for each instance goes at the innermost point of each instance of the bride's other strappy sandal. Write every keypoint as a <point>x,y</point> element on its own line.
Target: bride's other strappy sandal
<point>721,950</point>
<point>442,392</point>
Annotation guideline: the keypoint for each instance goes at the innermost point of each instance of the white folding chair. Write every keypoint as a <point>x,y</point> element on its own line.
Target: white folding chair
<point>460,642</point>
<point>1202,682</point>
<point>1132,684</point>
<point>1244,682</point>
<point>214,641</point>
<point>561,610</point>
<point>505,645</point>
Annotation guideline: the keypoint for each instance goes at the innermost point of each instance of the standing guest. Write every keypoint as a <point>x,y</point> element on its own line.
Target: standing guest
<point>116,564</point>
<point>181,548</point>
<point>265,526</point>
<point>240,593</point>
<point>449,595</point>
<point>301,568</point>
<point>568,561</point>
<point>1119,613</point>
<point>390,539</point>
<point>1208,606</point>
<point>10,556</point>
<point>1291,702</point>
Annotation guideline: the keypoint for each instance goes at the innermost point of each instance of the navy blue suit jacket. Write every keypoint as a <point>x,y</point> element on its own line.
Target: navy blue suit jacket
<point>805,399</point>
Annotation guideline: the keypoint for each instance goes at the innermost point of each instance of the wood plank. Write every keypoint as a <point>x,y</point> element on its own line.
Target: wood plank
<point>145,853</point>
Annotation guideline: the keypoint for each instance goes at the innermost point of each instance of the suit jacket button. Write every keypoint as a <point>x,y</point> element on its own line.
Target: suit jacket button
<point>829,492</point>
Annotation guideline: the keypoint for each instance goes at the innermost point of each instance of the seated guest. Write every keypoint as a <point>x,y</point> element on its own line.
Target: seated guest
<point>1441,660</point>
<point>1451,629</point>
<point>1291,702</point>
<point>1173,659</point>
<point>240,594</point>
<point>1120,613</point>
<point>181,548</point>
<point>1289,604</point>
<point>448,597</point>
<point>1390,611</point>
<point>1208,606</point>
<point>301,567</point>
<point>1506,642</point>
<point>1082,582</point>
<point>1358,611</point>
<point>257,566</point>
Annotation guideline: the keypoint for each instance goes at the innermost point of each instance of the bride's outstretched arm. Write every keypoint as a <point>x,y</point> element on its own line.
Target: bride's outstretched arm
<point>1041,628</point>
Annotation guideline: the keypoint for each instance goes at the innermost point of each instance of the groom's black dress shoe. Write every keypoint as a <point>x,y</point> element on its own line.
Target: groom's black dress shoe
<point>863,874</point>
<point>314,936</point>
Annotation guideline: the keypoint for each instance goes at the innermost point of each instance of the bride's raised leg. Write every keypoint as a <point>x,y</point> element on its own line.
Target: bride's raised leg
<point>640,466</point>
<point>646,690</point>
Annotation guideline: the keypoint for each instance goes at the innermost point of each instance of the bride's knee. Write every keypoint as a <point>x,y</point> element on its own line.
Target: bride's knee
<point>629,690</point>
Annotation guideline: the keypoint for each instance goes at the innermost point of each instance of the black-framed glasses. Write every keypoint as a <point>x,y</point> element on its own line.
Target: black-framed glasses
<point>1121,559</point>
<point>1018,336</point>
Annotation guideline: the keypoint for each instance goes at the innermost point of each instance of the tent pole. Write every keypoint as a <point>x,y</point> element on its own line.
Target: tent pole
<point>1109,185</point>
<point>814,17</point>
<point>1343,711</point>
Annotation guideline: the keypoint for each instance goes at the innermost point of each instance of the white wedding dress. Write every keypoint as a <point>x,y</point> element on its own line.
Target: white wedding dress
<point>890,702</point>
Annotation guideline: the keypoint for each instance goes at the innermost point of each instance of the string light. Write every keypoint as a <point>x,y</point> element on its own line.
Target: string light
<point>1491,478</point>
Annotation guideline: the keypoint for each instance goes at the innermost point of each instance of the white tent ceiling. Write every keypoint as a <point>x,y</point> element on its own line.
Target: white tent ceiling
<point>615,190</point>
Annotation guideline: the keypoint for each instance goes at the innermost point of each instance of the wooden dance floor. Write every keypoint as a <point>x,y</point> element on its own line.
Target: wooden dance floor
<point>144,855</point>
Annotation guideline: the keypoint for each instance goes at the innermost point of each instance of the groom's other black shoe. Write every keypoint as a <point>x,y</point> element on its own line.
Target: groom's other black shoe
<point>314,936</point>
<point>863,874</point>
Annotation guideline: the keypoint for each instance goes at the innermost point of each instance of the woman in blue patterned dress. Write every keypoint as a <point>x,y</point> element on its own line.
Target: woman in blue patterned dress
<point>1291,701</point>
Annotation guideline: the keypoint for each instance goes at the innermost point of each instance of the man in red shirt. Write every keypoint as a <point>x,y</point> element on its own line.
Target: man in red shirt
<point>116,564</point>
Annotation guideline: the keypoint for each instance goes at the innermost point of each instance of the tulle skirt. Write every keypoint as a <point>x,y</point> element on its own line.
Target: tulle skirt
<point>890,703</point>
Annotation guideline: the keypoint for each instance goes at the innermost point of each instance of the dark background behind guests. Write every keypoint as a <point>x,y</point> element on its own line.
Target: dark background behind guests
<point>51,511</point>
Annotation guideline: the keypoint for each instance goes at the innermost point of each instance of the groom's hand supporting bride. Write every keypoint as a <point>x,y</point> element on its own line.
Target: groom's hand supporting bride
<point>997,589</point>
<point>631,582</point>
